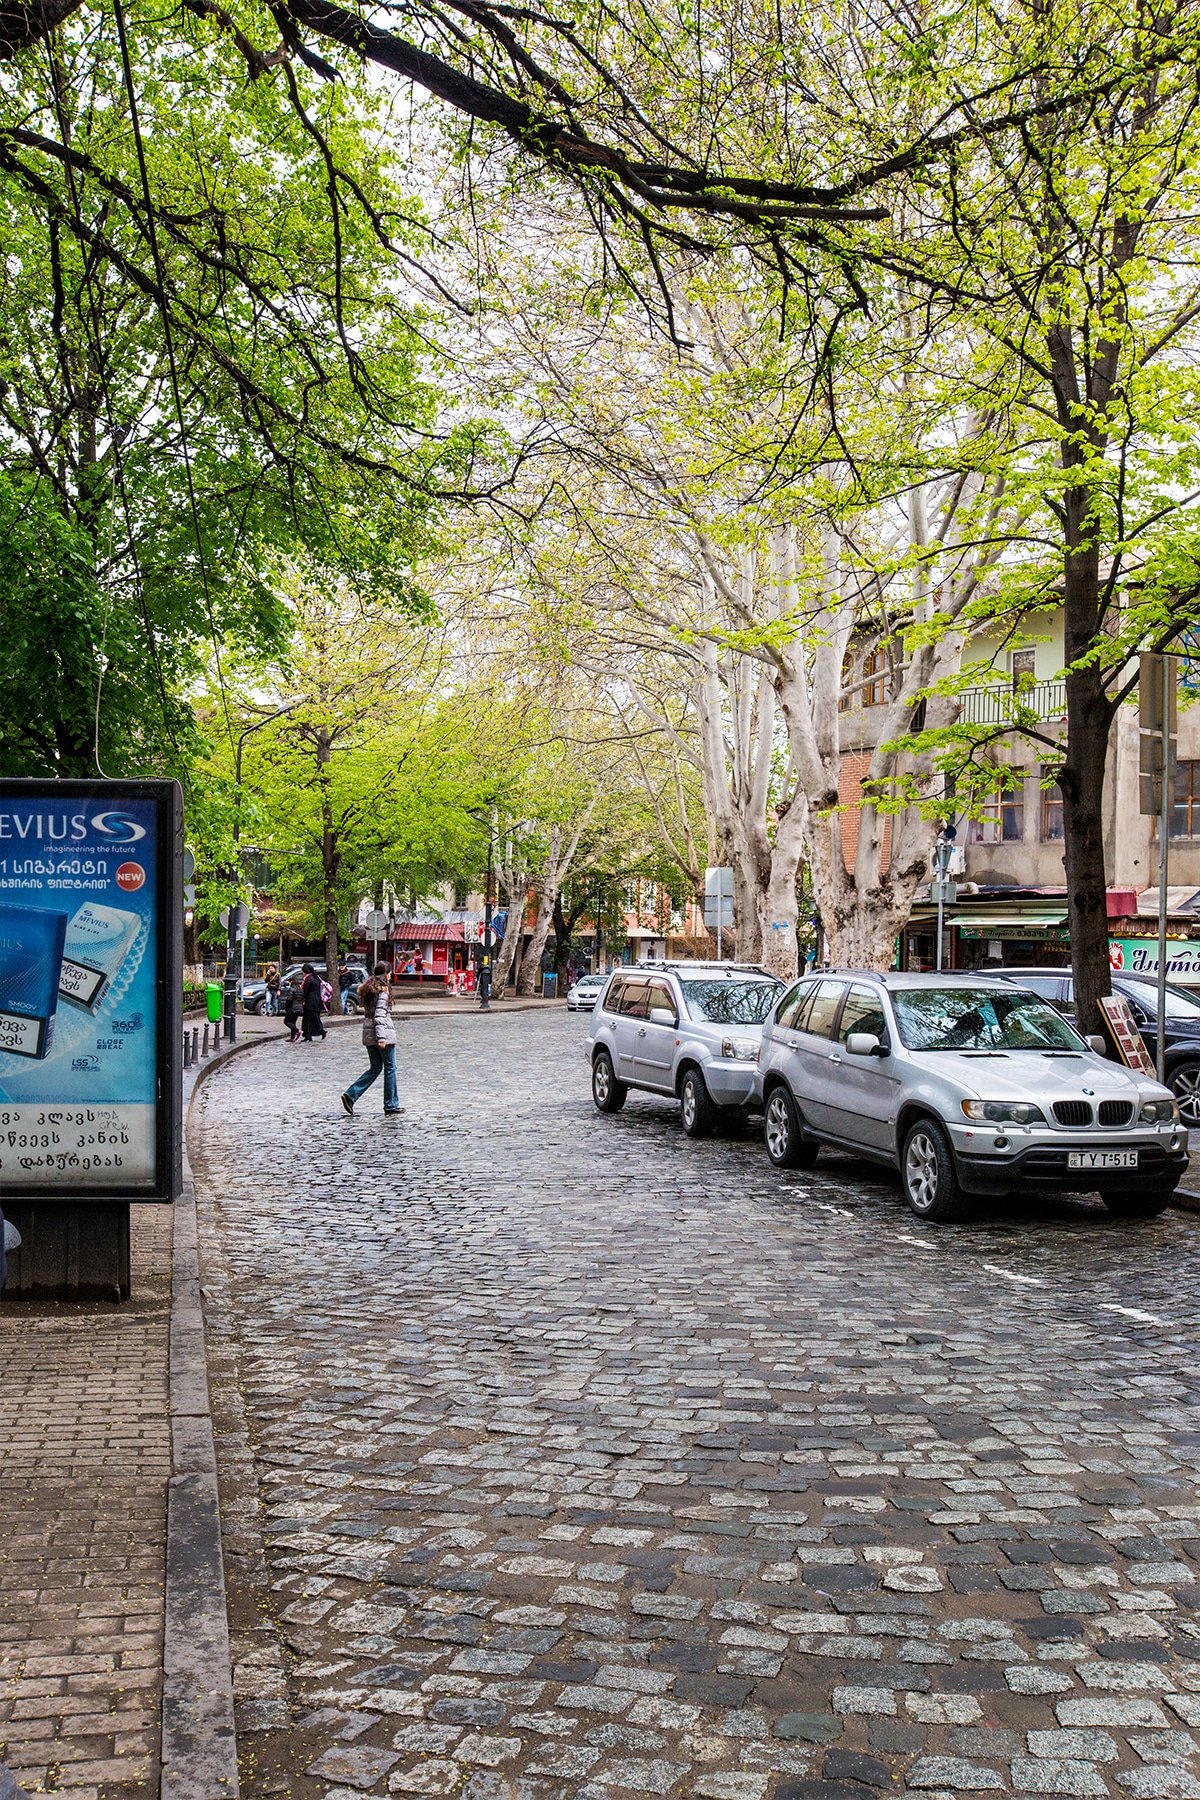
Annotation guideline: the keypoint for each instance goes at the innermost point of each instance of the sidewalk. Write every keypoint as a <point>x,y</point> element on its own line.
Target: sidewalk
<point>87,1458</point>
<point>86,1429</point>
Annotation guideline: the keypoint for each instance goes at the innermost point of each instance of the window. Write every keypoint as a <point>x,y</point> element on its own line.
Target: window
<point>821,1014</point>
<point>659,994</point>
<point>1024,668</point>
<point>986,828</point>
<point>874,683</point>
<point>1185,814</point>
<point>845,698</point>
<point>962,1018</point>
<point>726,1002</point>
<point>1012,814</point>
<point>612,998</point>
<point>793,1005</point>
<point>635,1000</point>
<point>863,1011</point>
<point>1052,810</point>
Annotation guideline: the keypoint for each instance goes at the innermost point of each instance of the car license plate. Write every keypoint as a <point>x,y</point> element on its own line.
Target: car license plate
<point>1102,1159</point>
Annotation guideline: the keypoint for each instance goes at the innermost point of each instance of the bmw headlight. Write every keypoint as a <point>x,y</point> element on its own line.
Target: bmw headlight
<point>739,1049</point>
<point>1160,1112</point>
<point>1005,1112</point>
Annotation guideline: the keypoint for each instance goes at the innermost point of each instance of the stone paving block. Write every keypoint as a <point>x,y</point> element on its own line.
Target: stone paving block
<point>1048,1775</point>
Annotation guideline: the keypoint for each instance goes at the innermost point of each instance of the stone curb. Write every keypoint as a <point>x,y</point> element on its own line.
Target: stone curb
<point>199,1748</point>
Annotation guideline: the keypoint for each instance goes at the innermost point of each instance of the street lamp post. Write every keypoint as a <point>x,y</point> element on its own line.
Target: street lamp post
<point>944,887</point>
<point>231,940</point>
<point>485,959</point>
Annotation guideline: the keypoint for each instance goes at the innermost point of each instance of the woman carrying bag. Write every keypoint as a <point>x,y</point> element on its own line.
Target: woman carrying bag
<point>379,1036</point>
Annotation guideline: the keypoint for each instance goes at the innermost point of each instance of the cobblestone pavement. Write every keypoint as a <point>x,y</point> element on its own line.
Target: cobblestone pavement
<point>84,1462</point>
<point>567,1459</point>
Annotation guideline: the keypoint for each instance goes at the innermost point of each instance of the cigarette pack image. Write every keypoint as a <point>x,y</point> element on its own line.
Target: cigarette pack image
<point>98,940</point>
<point>31,948</point>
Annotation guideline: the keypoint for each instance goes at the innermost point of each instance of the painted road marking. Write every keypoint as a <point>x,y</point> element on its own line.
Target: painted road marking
<point>902,1237</point>
<point>1011,1275</point>
<point>1132,1312</point>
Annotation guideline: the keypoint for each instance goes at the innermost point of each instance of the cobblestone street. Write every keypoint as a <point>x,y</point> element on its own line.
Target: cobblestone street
<point>565,1458</point>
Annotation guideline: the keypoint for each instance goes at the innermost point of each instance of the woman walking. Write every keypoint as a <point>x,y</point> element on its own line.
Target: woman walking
<point>312,1004</point>
<point>379,1036</point>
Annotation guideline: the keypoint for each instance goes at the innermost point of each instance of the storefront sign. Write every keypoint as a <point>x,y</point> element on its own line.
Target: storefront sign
<point>90,996</point>
<point>1139,956</point>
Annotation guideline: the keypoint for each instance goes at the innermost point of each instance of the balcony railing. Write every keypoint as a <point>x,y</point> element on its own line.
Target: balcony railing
<point>1001,706</point>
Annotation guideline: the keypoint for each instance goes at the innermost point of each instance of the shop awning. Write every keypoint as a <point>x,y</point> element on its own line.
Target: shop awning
<point>1179,900</point>
<point>429,934</point>
<point>986,921</point>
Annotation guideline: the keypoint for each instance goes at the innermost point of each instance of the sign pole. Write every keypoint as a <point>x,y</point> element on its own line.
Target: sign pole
<point>1167,668</point>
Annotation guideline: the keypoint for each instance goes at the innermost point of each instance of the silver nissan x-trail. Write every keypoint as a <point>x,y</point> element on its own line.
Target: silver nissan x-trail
<point>689,1029</point>
<point>967,1086</point>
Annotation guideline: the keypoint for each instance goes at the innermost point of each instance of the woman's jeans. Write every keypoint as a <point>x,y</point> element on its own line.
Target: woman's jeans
<point>383,1060</point>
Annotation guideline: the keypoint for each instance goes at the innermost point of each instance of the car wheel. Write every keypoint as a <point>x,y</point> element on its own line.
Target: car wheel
<point>786,1143</point>
<point>607,1092</point>
<point>927,1167</point>
<point>697,1114</point>
<point>1138,1206</point>
<point>258,1008</point>
<point>1184,1083</point>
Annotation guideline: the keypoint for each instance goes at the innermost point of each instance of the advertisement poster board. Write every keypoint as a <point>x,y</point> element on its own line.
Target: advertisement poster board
<point>1123,1030</point>
<point>90,998</point>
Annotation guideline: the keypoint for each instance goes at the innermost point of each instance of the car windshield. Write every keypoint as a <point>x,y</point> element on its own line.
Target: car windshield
<point>1180,1005</point>
<point>726,1002</point>
<point>963,1018</point>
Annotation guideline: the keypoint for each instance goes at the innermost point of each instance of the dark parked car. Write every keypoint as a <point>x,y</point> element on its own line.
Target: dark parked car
<point>254,992</point>
<point>1141,991</point>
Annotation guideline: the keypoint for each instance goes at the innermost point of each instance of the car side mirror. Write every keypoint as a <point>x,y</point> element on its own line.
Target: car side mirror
<point>1097,1043</point>
<point>662,1015</point>
<point>864,1043</point>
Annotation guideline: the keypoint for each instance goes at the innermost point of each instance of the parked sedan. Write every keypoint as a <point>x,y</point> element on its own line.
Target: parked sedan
<point>966,1087</point>
<point>585,993</point>
<point>1182,1019</point>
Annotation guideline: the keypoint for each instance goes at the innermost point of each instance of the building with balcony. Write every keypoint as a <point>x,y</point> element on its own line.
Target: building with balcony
<point>1008,862</point>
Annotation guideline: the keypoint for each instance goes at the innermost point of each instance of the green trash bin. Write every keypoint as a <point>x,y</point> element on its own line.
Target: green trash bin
<point>213,997</point>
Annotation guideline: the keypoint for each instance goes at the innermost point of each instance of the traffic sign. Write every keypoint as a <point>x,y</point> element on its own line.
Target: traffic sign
<point>375,922</point>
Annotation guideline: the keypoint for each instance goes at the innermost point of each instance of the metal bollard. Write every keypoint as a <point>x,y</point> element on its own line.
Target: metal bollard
<point>195,1043</point>
<point>187,1051</point>
<point>204,1047</point>
<point>216,1034</point>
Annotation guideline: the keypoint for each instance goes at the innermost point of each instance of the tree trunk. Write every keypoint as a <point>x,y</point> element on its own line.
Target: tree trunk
<point>529,978</point>
<point>1089,718</point>
<point>515,888</point>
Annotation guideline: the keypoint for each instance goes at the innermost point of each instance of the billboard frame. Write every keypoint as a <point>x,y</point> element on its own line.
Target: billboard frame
<point>167,799</point>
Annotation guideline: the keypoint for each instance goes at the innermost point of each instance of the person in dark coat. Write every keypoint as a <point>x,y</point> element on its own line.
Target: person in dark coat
<point>311,991</point>
<point>293,1008</point>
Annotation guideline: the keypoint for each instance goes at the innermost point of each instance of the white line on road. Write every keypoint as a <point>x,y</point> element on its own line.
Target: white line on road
<point>1132,1312</point>
<point>902,1237</point>
<point>1011,1275</point>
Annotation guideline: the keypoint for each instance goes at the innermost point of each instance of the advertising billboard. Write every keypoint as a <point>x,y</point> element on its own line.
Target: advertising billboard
<point>90,995</point>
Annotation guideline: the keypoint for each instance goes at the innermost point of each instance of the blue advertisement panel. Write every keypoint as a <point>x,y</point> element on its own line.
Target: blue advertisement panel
<point>88,1013</point>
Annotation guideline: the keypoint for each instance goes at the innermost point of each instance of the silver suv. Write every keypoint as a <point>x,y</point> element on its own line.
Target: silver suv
<point>690,1029</point>
<point>967,1086</point>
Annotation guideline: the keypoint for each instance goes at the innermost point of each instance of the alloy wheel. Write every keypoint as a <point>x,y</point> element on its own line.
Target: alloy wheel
<point>921,1170</point>
<point>777,1126</point>
<point>601,1078</point>
<point>1185,1085</point>
<point>687,1106</point>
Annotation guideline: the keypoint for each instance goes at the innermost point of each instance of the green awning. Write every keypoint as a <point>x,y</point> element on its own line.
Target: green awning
<point>984,921</point>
